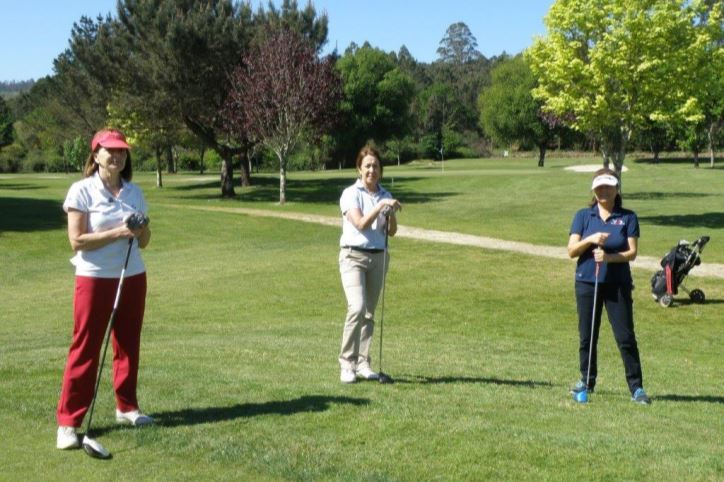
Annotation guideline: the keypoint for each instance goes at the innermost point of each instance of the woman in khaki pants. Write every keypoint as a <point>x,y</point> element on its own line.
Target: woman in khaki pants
<point>366,209</point>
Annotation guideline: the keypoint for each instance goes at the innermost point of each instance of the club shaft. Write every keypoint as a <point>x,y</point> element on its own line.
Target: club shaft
<point>384,279</point>
<point>108,334</point>
<point>593,326</point>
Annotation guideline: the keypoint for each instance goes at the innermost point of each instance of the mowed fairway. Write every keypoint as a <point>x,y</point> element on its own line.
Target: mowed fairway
<point>244,319</point>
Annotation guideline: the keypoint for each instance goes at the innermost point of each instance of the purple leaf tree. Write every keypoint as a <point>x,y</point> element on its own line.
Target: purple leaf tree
<point>281,93</point>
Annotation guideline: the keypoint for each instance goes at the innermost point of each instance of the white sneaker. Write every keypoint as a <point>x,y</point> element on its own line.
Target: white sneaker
<point>347,376</point>
<point>366,372</point>
<point>67,438</point>
<point>134,417</point>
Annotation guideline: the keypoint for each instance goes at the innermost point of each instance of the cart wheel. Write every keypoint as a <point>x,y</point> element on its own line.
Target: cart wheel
<point>666,300</point>
<point>697,296</point>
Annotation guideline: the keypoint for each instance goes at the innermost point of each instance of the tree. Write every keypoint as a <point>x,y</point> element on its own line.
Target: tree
<point>6,125</point>
<point>708,82</point>
<point>508,111</point>
<point>74,153</point>
<point>289,17</point>
<point>282,92</point>
<point>377,97</point>
<point>610,65</point>
<point>693,137</point>
<point>172,58</point>
<point>439,114</point>
<point>459,45</point>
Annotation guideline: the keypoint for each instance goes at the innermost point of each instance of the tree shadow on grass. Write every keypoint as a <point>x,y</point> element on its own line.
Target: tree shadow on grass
<point>712,220</point>
<point>415,379</point>
<point>27,214</point>
<point>689,398</point>
<point>197,416</point>
<point>19,186</point>
<point>704,161</point>
<point>319,191</point>
<point>658,196</point>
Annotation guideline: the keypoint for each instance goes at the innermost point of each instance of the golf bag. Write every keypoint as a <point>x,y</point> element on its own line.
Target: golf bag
<point>676,265</point>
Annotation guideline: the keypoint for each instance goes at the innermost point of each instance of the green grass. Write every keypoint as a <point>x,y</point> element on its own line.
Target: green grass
<point>244,320</point>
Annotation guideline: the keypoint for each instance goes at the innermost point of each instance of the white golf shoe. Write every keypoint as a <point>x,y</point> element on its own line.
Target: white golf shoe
<point>134,417</point>
<point>67,438</point>
<point>347,376</point>
<point>364,371</point>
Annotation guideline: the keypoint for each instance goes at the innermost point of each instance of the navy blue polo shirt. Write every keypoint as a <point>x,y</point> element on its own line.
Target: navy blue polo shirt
<point>621,225</point>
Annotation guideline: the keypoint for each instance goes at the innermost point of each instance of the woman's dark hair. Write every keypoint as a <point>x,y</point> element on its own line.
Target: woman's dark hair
<point>618,202</point>
<point>369,150</point>
<point>90,167</point>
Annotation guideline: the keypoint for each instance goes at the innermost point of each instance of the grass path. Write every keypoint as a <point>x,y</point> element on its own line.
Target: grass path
<point>711,270</point>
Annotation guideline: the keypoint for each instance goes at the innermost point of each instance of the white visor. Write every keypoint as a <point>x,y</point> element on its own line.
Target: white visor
<point>604,180</point>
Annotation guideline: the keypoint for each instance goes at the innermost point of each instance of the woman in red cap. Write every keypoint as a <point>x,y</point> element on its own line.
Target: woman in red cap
<point>97,207</point>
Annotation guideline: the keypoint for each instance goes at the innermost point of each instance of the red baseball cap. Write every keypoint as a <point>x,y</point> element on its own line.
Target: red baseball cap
<point>109,138</point>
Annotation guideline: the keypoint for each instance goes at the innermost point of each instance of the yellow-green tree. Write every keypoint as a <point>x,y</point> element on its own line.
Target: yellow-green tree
<point>610,65</point>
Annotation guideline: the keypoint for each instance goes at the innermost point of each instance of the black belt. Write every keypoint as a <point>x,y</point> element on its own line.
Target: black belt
<point>364,250</point>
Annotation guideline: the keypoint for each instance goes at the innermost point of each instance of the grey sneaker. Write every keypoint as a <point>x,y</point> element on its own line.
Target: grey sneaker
<point>640,396</point>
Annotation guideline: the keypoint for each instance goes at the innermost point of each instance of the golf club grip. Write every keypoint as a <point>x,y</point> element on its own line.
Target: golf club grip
<point>123,275</point>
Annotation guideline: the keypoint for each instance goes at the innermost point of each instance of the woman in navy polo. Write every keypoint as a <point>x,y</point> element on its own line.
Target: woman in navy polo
<point>604,238</point>
<point>366,209</point>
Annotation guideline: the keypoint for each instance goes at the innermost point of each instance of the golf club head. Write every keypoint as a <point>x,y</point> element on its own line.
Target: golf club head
<point>581,397</point>
<point>385,378</point>
<point>95,449</point>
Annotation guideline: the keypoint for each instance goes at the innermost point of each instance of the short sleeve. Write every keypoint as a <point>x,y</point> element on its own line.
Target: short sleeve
<point>142,206</point>
<point>349,200</point>
<point>577,224</point>
<point>632,226</point>
<point>76,198</point>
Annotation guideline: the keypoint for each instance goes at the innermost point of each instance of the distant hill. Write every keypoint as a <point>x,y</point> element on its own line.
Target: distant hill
<point>12,88</point>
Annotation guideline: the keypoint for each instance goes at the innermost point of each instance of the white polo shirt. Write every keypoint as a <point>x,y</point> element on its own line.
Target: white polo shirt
<point>106,212</point>
<point>356,196</point>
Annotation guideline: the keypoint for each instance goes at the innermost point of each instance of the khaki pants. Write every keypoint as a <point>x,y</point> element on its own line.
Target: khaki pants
<point>362,282</point>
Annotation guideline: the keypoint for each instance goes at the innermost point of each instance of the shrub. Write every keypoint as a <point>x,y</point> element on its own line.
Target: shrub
<point>35,161</point>
<point>11,157</point>
<point>55,162</point>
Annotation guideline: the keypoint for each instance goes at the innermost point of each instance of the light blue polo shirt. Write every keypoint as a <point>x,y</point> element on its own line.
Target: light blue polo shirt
<point>356,196</point>
<point>621,225</point>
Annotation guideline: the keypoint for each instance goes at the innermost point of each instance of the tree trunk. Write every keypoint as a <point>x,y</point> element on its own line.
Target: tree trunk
<point>227,177</point>
<point>170,164</point>
<point>613,147</point>
<point>696,158</point>
<point>202,165</point>
<point>541,155</point>
<point>159,170</point>
<point>710,136</point>
<point>282,179</point>
<point>245,169</point>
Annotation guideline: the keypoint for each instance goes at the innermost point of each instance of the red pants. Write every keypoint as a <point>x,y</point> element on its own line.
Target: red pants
<point>92,307</point>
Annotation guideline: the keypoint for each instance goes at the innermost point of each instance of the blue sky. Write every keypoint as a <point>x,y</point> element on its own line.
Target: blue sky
<point>34,32</point>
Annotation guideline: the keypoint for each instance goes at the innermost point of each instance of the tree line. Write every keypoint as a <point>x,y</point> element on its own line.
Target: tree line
<point>216,80</point>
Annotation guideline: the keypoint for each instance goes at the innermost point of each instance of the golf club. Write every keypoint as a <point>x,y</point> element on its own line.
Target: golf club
<point>383,377</point>
<point>582,396</point>
<point>91,446</point>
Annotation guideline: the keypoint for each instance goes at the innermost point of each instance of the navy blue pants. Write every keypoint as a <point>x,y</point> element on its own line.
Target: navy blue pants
<point>619,307</point>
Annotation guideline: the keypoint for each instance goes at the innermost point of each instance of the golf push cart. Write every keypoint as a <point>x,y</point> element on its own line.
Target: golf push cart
<point>676,265</point>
